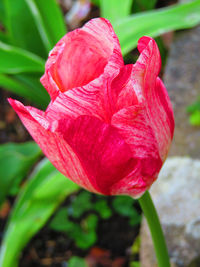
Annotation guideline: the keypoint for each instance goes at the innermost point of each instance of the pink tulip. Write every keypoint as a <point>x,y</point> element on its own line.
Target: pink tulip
<point>108,126</point>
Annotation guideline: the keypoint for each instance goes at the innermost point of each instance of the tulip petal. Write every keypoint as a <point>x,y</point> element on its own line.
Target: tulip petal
<point>103,31</point>
<point>82,56</point>
<point>74,103</point>
<point>52,144</point>
<point>101,150</point>
<point>158,106</point>
<point>103,102</point>
<point>134,127</point>
<point>123,88</point>
<point>165,117</point>
<point>132,185</point>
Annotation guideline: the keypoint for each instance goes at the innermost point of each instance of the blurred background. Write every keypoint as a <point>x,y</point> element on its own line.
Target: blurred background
<point>46,220</point>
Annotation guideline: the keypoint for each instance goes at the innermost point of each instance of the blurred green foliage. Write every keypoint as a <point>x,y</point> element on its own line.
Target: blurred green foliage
<point>143,5</point>
<point>135,264</point>
<point>37,200</point>
<point>82,232</point>
<point>79,219</point>
<point>156,22</point>
<point>135,249</point>
<point>194,111</point>
<point>114,12</point>
<point>124,206</point>
<point>31,29</point>
<point>15,162</point>
<point>77,262</point>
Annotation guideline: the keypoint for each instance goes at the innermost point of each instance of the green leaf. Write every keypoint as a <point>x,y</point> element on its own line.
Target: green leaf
<point>154,23</point>
<point>16,60</point>
<point>143,5</point>
<point>40,27</point>
<point>80,204</point>
<point>135,264</point>
<point>45,190</point>
<point>194,107</point>
<point>194,110</point>
<point>36,89</point>
<point>77,262</point>
<point>115,10</point>
<point>21,27</point>
<point>95,2</point>
<point>86,236</point>
<point>124,206</point>
<point>135,249</point>
<point>3,37</point>
<point>52,19</point>
<point>195,118</point>
<point>26,86</point>
<point>102,208</point>
<point>83,233</point>
<point>2,12</point>
<point>39,24</point>
<point>61,222</point>
<point>15,162</point>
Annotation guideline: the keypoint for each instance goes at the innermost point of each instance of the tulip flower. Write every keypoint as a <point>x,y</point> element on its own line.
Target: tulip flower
<point>108,126</point>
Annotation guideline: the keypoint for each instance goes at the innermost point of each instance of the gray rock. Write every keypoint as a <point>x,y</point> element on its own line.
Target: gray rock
<point>182,79</point>
<point>176,195</point>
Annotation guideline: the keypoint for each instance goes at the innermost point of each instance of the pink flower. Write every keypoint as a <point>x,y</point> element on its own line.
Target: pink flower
<point>108,126</point>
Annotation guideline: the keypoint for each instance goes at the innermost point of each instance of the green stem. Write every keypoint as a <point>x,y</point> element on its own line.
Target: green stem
<point>151,215</point>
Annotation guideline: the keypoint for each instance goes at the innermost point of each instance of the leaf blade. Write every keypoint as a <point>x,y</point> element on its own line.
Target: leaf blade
<point>39,24</point>
<point>18,85</point>
<point>21,157</point>
<point>21,27</point>
<point>33,208</point>
<point>53,19</point>
<point>114,11</point>
<point>16,60</point>
<point>154,23</point>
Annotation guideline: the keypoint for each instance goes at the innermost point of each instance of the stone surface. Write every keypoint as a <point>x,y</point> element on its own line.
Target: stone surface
<point>176,195</point>
<point>182,79</point>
